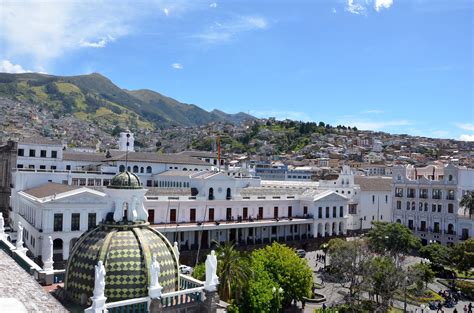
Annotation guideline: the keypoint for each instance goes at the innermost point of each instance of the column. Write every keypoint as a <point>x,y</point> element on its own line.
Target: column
<point>65,249</point>
<point>254,234</point>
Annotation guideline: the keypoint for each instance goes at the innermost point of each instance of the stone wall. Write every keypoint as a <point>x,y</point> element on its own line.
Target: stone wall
<point>7,162</point>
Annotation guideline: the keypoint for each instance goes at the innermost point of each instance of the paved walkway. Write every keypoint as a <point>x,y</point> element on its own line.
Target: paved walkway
<point>17,284</point>
<point>334,292</point>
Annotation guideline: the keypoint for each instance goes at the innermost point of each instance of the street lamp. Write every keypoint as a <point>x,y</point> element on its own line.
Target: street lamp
<point>277,295</point>
<point>405,282</point>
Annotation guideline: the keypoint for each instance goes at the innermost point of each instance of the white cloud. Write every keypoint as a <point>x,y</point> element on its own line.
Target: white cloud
<point>97,44</point>
<point>213,5</point>
<point>334,10</point>
<point>177,66</point>
<point>382,4</point>
<point>221,32</point>
<point>466,137</point>
<point>166,11</point>
<point>360,7</point>
<point>354,7</point>
<point>8,67</point>
<point>45,30</point>
<point>466,126</point>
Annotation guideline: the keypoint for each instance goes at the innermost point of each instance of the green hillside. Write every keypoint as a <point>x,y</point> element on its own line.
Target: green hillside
<point>95,98</point>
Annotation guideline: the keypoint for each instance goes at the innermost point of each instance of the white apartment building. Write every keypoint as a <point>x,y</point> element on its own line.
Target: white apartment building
<point>427,201</point>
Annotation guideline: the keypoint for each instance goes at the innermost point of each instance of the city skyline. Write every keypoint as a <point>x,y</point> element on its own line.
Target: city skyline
<point>395,66</point>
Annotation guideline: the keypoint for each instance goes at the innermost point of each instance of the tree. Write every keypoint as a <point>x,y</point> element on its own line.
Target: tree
<point>233,272</point>
<point>348,265</point>
<point>199,271</point>
<point>467,202</point>
<point>286,269</point>
<point>436,253</point>
<point>391,238</point>
<point>462,255</point>
<point>384,279</point>
<point>423,273</point>
<point>258,296</point>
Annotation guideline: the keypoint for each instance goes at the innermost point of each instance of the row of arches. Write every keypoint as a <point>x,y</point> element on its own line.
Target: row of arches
<point>331,229</point>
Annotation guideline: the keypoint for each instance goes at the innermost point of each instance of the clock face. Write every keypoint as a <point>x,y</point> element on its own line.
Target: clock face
<point>219,190</point>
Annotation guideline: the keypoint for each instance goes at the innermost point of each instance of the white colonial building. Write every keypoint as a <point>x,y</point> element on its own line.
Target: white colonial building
<point>427,201</point>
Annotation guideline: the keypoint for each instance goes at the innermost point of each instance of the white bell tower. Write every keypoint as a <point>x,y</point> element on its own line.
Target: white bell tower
<point>126,138</point>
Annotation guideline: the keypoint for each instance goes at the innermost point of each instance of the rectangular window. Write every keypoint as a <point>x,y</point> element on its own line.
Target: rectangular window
<point>19,166</point>
<point>54,154</point>
<point>91,220</point>
<point>68,167</point>
<point>245,213</point>
<point>192,215</point>
<point>21,152</point>
<point>327,212</point>
<point>334,212</point>
<point>42,167</point>
<point>53,167</point>
<point>424,193</point>
<point>173,216</point>
<point>440,208</point>
<point>320,212</point>
<point>450,195</point>
<point>260,212</point>
<point>341,211</point>
<point>353,208</point>
<point>411,193</point>
<point>211,215</point>
<point>75,221</point>
<point>43,153</point>
<point>399,205</point>
<point>290,211</point>
<point>228,214</point>
<point>305,210</point>
<point>58,222</point>
<point>399,192</point>
<point>151,216</point>
<point>274,230</point>
<point>275,212</point>
<point>31,166</point>
<point>433,207</point>
<point>436,194</point>
<point>82,181</point>
<point>90,182</point>
<point>450,208</point>
<point>423,226</point>
<point>106,182</point>
<point>373,199</point>
<point>32,152</point>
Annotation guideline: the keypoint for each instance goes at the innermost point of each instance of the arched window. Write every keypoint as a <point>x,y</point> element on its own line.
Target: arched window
<point>122,168</point>
<point>148,169</point>
<point>185,169</point>
<point>450,177</point>
<point>128,168</point>
<point>135,169</point>
<point>142,169</point>
<point>211,193</point>
<point>399,221</point>
<point>228,194</point>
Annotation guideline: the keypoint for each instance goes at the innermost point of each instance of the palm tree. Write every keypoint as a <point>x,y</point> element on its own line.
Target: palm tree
<point>232,270</point>
<point>467,202</point>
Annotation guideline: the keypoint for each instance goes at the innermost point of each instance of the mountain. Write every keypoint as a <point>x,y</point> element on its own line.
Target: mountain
<point>97,99</point>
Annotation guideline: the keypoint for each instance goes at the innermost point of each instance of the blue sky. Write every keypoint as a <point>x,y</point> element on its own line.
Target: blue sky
<point>394,65</point>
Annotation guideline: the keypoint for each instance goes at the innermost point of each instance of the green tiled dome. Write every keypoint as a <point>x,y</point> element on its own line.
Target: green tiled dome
<point>125,180</point>
<point>126,252</point>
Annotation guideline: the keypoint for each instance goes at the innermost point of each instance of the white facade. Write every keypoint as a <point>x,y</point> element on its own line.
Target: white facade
<point>427,201</point>
<point>223,208</point>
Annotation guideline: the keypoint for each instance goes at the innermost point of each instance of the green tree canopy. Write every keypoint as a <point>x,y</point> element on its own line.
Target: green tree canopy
<point>467,202</point>
<point>384,279</point>
<point>423,273</point>
<point>391,238</point>
<point>462,255</point>
<point>436,253</point>
<point>286,269</point>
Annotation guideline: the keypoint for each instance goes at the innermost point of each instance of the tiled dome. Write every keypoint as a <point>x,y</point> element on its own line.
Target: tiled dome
<point>126,252</point>
<point>125,180</point>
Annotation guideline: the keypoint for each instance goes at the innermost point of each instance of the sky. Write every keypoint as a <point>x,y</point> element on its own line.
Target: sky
<point>401,66</point>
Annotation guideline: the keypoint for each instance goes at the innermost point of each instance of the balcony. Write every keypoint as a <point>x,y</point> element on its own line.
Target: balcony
<point>411,195</point>
<point>399,194</point>
<point>450,197</point>
<point>424,196</point>
<point>437,231</point>
<point>450,232</point>
<point>437,197</point>
<point>423,229</point>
